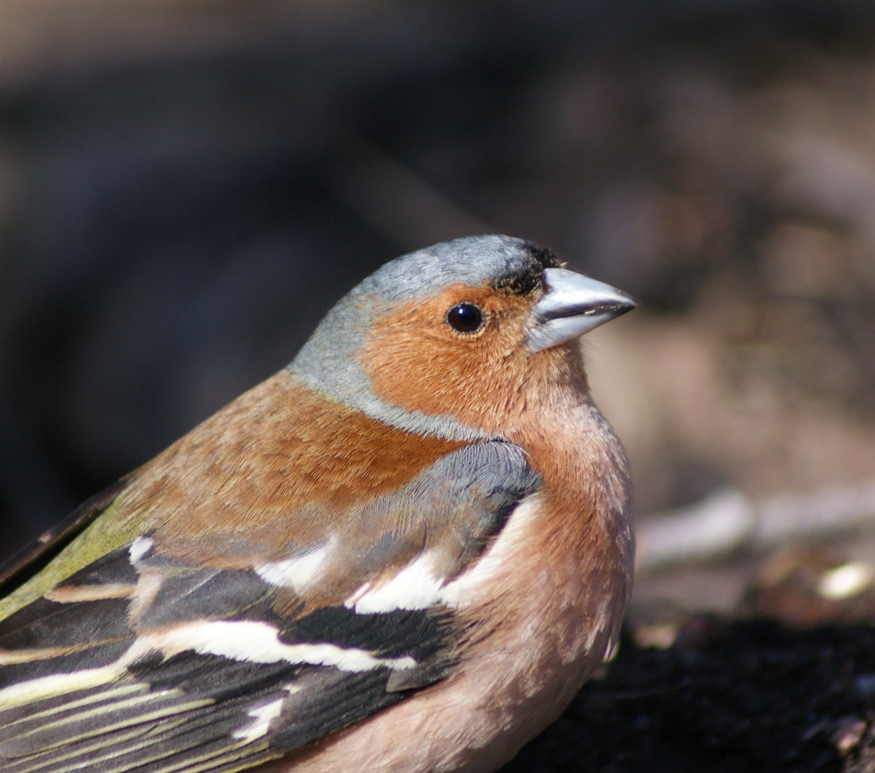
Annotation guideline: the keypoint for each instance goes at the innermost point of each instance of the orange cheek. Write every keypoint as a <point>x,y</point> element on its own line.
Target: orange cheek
<point>415,361</point>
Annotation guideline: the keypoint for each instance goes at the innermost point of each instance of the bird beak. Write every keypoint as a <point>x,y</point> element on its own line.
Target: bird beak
<point>573,304</point>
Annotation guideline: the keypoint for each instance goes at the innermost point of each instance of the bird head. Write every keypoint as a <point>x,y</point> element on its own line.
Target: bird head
<point>423,340</point>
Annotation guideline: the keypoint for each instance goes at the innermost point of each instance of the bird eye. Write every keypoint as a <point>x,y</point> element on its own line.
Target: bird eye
<point>465,318</point>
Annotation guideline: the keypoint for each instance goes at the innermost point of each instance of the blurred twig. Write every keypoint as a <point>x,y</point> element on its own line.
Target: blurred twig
<point>728,520</point>
<point>396,201</point>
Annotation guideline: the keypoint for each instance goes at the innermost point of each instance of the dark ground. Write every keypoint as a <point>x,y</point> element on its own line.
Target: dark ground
<point>186,188</point>
<point>730,695</point>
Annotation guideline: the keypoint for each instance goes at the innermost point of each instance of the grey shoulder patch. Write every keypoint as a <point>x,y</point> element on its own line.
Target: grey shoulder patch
<point>486,481</point>
<point>455,508</point>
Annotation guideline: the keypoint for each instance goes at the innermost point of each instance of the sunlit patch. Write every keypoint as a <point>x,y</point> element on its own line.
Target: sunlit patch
<point>845,581</point>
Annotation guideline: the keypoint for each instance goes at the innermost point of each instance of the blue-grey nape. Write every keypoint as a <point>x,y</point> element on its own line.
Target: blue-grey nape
<point>328,361</point>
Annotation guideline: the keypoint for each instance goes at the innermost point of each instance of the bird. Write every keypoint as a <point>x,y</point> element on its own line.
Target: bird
<point>405,551</point>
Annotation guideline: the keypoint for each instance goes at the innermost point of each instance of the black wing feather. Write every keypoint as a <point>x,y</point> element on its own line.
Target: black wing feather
<point>190,711</point>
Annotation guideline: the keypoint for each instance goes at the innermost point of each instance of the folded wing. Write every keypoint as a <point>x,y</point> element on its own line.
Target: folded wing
<point>147,660</point>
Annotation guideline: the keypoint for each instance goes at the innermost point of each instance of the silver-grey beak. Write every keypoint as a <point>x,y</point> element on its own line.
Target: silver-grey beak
<point>573,304</point>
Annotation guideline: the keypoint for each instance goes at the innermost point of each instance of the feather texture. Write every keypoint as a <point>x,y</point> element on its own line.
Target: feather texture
<point>405,551</point>
<point>146,660</point>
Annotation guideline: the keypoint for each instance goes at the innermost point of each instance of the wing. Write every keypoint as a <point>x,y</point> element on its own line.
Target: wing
<point>147,661</point>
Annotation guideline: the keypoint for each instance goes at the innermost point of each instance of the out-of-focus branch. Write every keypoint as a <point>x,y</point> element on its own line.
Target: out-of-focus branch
<point>396,201</point>
<point>728,520</point>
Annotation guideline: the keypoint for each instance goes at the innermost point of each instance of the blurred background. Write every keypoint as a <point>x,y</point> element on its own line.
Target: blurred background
<point>186,187</point>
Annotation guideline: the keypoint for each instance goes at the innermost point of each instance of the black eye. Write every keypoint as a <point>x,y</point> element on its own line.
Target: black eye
<point>465,317</point>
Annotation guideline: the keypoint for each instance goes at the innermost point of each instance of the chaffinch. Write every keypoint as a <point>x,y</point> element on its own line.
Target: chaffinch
<point>406,551</point>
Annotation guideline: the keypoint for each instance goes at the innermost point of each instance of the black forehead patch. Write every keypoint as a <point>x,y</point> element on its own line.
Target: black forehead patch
<point>527,278</point>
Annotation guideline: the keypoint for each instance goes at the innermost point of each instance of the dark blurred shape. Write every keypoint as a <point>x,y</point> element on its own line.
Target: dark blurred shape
<point>185,190</point>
